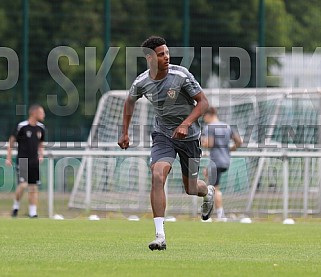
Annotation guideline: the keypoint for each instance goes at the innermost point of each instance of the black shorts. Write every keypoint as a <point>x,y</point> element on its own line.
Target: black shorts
<point>214,174</point>
<point>166,149</point>
<point>28,171</point>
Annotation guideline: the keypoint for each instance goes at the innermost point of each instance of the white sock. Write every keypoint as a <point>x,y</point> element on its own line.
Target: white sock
<point>16,205</point>
<point>32,210</point>
<point>159,225</point>
<point>220,212</point>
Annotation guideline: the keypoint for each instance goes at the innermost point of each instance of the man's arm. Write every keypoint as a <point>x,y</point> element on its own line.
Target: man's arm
<point>237,142</point>
<point>9,150</point>
<point>207,141</point>
<point>129,106</point>
<point>40,151</point>
<point>41,145</point>
<point>202,105</point>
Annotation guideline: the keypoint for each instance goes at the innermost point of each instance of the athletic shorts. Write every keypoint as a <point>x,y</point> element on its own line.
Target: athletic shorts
<point>166,149</point>
<point>214,174</point>
<point>28,171</point>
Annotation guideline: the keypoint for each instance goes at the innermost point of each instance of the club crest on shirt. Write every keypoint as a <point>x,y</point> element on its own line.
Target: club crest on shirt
<point>149,96</point>
<point>171,93</point>
<point>39,135</point>
<point>29,134</point>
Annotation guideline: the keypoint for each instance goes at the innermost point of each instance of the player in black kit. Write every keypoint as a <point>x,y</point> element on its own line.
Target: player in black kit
<point>29,135</point>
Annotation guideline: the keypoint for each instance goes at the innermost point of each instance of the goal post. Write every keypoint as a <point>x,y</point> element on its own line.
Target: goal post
<point>271,122</point>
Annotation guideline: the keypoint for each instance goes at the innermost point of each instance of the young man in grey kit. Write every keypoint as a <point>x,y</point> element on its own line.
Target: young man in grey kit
<point>178,101</point>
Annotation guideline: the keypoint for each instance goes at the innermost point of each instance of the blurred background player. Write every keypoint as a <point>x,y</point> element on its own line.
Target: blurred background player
<point>217,136</point>
<point>178,101</point>
<point>29,135</point>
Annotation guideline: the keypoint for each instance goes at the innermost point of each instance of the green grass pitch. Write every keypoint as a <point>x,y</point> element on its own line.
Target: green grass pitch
<point>79,247</point>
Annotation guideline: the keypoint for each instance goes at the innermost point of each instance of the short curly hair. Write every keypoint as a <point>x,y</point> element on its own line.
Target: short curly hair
<point>151,43</point>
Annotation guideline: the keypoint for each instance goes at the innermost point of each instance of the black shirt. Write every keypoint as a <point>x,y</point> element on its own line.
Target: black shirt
<point>28,138</point>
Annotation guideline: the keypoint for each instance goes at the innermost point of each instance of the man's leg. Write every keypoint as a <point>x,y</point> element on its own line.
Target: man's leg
<point>219,202</point>
<point>218,193</point>
<point>20,190</point>
<point>160,172</point>
<point>163,155</point>
<point>199,188</point>
<point>33,200</point>
<point>22,176</point>
<point>18,195</point>
<point>33,188</point>
<point>195,186</point>
<point>190,154</point>
<point>214,174</point>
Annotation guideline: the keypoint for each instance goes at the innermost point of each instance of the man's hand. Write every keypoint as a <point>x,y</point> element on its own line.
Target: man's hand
<point>123,142</point>
<point>8,162</point>
<point>180,132</point>
<point>40,158</point>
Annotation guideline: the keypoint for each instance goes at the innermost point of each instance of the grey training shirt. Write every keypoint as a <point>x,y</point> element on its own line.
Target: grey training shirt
<point>222,134</point>
<point>172,98</point>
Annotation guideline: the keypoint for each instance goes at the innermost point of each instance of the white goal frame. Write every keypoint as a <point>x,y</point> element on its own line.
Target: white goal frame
<point>219,97</point>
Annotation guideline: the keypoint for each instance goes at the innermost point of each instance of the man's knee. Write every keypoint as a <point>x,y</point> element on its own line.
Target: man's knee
<point>23,185</point>
<point>32,188</point>
<point>159,174</point>
<point>158,178</point>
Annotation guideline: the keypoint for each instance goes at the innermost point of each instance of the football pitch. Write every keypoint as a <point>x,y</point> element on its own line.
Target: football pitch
<point>79,247</point>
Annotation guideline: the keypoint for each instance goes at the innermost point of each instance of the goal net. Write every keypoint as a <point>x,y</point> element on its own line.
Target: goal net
<point>272,123</point>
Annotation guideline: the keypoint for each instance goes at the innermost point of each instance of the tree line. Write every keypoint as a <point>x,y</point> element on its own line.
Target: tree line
<point>82,23</point>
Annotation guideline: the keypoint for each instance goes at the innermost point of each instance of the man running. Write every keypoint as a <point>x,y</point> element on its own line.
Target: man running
<point>178,101</point>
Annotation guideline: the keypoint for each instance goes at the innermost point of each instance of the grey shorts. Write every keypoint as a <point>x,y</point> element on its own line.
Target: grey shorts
<point>166,149</point>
